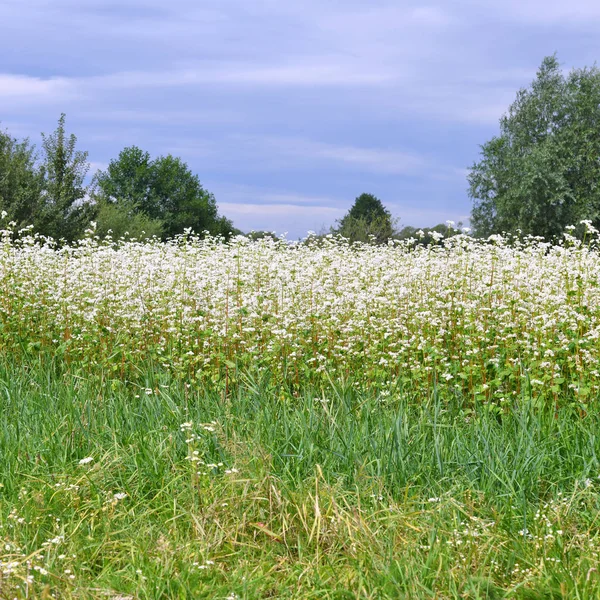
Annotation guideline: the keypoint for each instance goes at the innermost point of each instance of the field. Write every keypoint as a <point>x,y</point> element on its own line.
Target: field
<point>202,419</point>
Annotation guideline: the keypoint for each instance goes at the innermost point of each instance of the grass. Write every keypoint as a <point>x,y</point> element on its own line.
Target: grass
<point>327,493</point>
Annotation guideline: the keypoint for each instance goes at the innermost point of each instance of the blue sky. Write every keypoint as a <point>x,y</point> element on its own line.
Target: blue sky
<point>288,110</point>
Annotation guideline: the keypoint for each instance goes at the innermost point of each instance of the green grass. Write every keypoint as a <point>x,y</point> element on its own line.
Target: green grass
<point>324,493</point>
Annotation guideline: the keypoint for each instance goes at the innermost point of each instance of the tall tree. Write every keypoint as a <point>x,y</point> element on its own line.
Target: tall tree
<point>128,179</point>
<point>366,220</point>
<point>164,190</point>
<point>542,172</point>
<point>65,213</point>
<point>20,181</point>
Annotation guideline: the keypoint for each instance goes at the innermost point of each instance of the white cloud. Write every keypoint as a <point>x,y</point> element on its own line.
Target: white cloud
<point>251,195</point>
<point>532,12</point>
<point>431,16</point>
<point>170,116</point>
<point>325,71</point>
<point>287,210</point>
<point>332,74</point>
<point>552,11</point>
<point>294,199</point>
<point>425,217</point>
<point>371,159</point>
<point>278,152</point>
<point>24,87</point>
<point>291,219</point>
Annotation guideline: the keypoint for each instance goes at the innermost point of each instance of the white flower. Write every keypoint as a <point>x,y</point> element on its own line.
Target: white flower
<point>86,460</point>
<point>524,532</point>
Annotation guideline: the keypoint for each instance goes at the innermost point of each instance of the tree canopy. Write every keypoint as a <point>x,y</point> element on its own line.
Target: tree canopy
<point>65,211</point>
<point>162,194</point>
<point>136,195</point>
<point>542,173</point>
<point>21,182</point>
<point>367,220</point>
<point>47,192</point>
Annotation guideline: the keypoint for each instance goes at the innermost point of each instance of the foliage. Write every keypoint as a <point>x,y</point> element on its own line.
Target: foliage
<point>128,179</point>
<point>368,207</point>
<point>163,190</point>
<point>541,173</point>
<point>136,195</point>
<point>65,213</point>
<point>429,235</point>
<point>118,220</point>
<point>20,181</point>
<point>259,235</point>
<point>366,221</point>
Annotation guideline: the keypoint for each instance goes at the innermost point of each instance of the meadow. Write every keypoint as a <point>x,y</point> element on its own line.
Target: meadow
<point>266,419</point>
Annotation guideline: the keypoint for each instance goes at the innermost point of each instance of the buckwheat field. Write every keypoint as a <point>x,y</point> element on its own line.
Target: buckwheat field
<point>266,419</point>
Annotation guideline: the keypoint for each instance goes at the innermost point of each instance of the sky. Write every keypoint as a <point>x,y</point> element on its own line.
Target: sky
<point>287,111</point>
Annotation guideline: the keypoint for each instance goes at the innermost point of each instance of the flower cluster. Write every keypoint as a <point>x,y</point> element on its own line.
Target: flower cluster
<point>490,319</point>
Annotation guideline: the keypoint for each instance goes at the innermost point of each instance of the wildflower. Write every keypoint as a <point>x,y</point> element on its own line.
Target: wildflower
<point>86,460</point>
<point>524,532</point>
<point>54,541</point>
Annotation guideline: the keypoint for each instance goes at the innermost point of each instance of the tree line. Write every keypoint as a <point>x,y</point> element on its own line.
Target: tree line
<point>538,176</point>
<point>136,194</point>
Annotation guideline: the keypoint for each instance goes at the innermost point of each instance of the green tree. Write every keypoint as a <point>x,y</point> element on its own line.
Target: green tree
<point>128,180</point>
<point>120,220</point>
<point>164,190</point>
<point>20,181</point>
<point>367,220</point>
<point>542,172</point>
<point>65,213</point>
